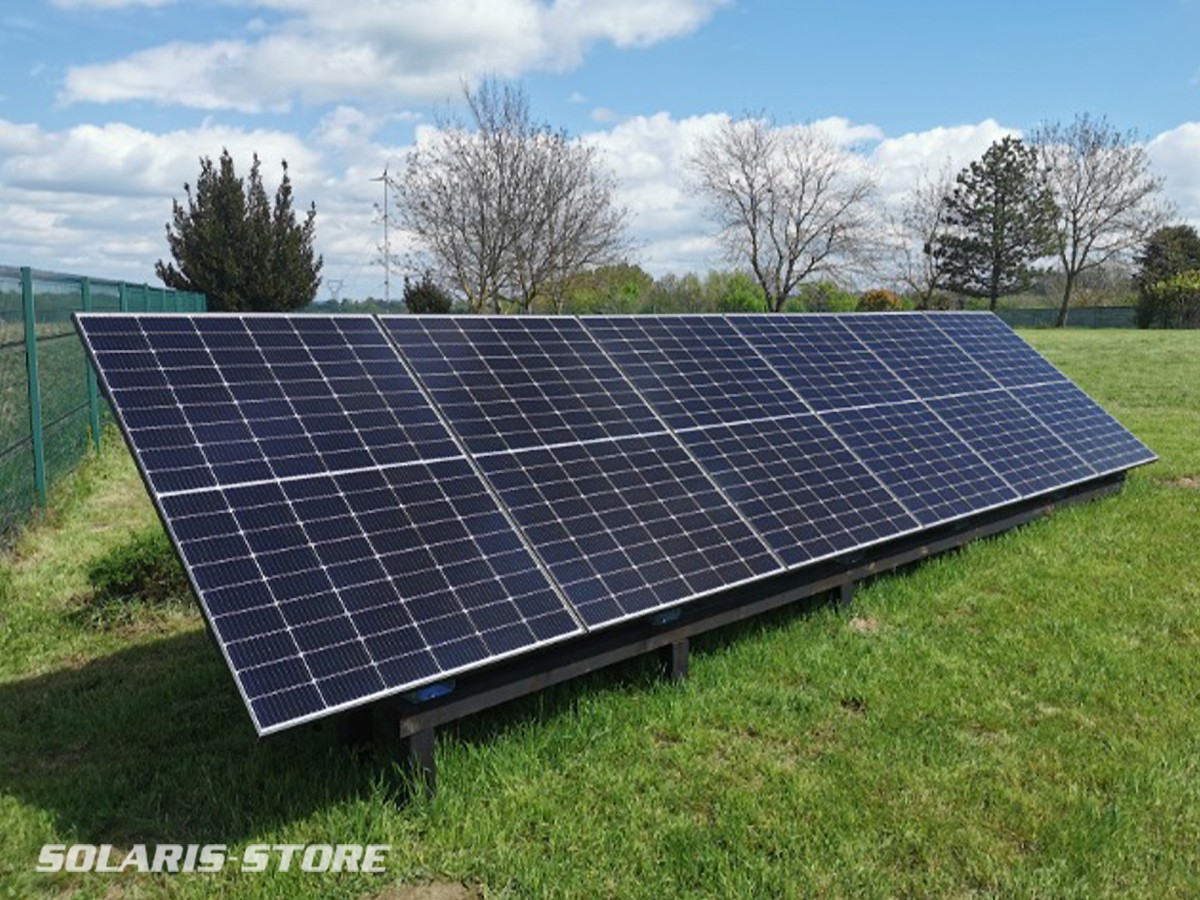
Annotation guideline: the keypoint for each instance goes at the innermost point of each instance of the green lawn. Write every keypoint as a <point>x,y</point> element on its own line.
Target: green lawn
<point>1021,718</point>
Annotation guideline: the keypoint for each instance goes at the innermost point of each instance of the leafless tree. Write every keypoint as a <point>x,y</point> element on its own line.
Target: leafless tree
<point>508,208</point>
<point>1108,200</point>
<point>919,220</point>
<point>788,201</point>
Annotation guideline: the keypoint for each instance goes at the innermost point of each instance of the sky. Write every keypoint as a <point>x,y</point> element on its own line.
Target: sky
<point>106,106</point>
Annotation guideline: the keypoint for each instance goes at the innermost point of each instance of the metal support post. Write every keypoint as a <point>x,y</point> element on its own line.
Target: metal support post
<point>34,386</point>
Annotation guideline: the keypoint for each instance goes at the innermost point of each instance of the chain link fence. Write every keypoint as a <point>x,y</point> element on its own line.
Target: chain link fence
<point>50,409</point>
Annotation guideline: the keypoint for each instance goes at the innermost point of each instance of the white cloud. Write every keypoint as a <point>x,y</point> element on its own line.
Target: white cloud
<point>412,50</point>
<point>109,4</point>
<point>1173,155</point>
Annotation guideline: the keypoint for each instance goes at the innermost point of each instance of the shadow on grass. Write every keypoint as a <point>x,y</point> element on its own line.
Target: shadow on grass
<point>153,744</point>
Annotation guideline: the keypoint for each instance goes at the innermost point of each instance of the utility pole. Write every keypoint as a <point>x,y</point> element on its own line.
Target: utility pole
<point>387,247</point>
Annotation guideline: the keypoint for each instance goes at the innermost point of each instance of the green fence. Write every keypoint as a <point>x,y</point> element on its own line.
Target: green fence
<point>1078,317</point>
<point>49,406</point>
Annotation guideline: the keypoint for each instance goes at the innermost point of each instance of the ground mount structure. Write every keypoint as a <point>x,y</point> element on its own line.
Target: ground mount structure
<point>456,510</point>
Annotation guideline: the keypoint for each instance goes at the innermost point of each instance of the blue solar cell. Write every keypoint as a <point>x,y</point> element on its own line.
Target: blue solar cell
<point>930,470</point>
<point>1098,438</point>
<point>514,382</point>
<point>822,361</point>
<point>803,491</point>
<point>627,526</point>
<point>996,348</point>
<point>921,356</point>
<point>694,370</point>
<point>1012,441</point>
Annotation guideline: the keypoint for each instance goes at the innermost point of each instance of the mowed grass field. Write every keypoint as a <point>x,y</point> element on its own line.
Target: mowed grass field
<point>1020,718</point>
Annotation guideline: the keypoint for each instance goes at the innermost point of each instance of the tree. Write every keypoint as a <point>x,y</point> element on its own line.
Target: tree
<point>999,219</point>
<point>788,202</point>
<point>1172,303</point>
<point>921,219</point>
<point>508,209</point>
<point>425,295</point>
<point>1107,198</point>
<point>1169,251</point>
<point>878,300</point>
<point>233,245</point>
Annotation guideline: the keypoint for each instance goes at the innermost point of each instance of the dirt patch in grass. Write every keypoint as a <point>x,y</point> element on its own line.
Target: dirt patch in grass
<point>864,624</point>
<point>437,890</point>
<point>1188,482</point>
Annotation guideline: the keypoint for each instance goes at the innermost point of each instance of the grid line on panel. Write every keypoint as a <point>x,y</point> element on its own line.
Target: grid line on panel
<point>507,383</point>
<point>628,527</point>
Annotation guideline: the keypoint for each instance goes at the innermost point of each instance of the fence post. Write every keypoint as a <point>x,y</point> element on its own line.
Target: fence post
<point>85,290</point>
<point>122,298</point>
<point>35,390</point>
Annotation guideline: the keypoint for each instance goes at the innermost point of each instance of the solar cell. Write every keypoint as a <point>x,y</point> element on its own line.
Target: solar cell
<point>932,472</point>
<point>506,383</point>
<point>694,370</point>
<point>921,356</point>
<point>803,491</point>
<point>627,526</point>
<point>822,361</point>
<point>1098,438</point>
<point>996,348</point>
<point>382,564</point>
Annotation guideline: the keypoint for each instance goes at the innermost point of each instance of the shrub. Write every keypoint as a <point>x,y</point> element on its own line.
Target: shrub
<point>144,568</point>
<point>878,300</point>
<point>425,296</point>
<point>825,296</point>
<point>1174,303</point>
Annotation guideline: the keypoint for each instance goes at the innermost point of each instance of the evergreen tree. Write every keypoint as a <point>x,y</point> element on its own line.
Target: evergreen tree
<point>425,296</point>
<point>232,244</point>
<point>1000,219</point>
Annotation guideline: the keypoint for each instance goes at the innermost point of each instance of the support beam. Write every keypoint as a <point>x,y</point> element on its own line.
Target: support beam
<point>845,595</point>
<point>421,765</point>
<point>675,659</point>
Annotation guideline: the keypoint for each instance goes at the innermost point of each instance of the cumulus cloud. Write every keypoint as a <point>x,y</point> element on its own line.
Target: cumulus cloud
<point>1173,155</point>
<point>415,50</point>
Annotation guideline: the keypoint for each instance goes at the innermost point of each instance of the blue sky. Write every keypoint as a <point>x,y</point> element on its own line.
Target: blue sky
<point>105,105</point>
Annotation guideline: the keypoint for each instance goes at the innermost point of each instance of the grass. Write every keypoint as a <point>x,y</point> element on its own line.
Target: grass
<point>1019,718</point>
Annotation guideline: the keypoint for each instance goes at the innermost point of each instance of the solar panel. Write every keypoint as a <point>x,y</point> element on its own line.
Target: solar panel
<point>932,471</point>
<point>804,492</point>
<point>694,370</point>
<point>924,358</point>
<point>1012,441</point>
<point>627,526</point>
<point>368,505</point>
<point>996,348</point>
<point>514,382</point>
<point>822,361</point>
<point>1098,438</point>
<point>340,544</point>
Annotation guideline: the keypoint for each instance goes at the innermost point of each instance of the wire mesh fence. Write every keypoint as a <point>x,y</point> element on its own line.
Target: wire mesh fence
<point>50,408</point>
<point>1079,317</point>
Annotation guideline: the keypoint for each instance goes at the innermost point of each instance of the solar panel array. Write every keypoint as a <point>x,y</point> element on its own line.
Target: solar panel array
<point>368,505</point>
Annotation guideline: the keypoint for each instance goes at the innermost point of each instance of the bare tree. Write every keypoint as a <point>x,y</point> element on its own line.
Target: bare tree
<point>1108,200</point>
<point>508,208</point>
<point>919,221</point>
<point>788,201</point>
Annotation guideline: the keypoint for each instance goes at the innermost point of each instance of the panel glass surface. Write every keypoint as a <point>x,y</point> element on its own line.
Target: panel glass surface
<point>921,356</point>
<point>628,526</point>
<point>511,382</point>
<point>1073,416</point>
<point>1012,441</point>
<point>996,347</point>
<point>822,361</point>
<point>935,474</point>
<point>694,370</point>
<point>799,486</point>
